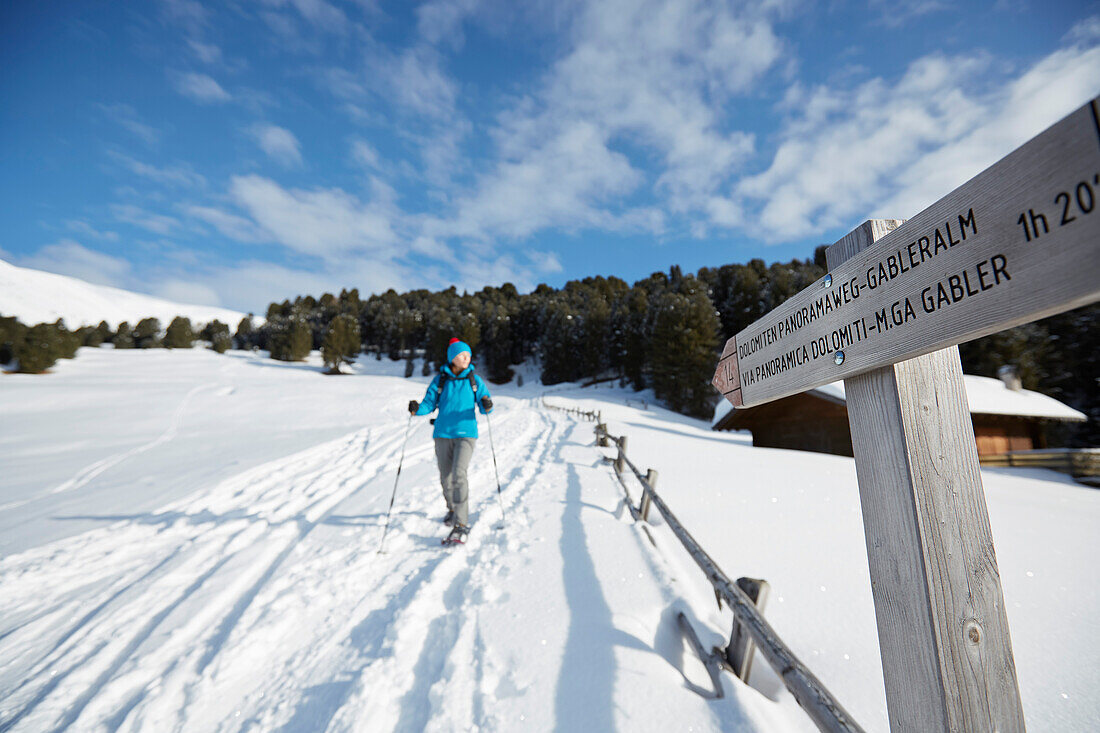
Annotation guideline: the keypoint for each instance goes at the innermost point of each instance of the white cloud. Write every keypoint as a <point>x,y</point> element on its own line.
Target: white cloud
<point>317,12</point>
<point>189,14</point>
<point>127,117</point>
<point>891,150</point>
<point>186,291</point>
<point>413,78</point>
<point>1042,95</point>
<point>364,153</point>
<point>1085,32</point>
<point>83,227</point>
<point>414,85</point>
<point>201,88</point>
<point>69,257</point>
<point>231,225</point>
<point>279,144</point>
<point>896,13</point>
<point>545,261</point>
<point>322,222</point>
<point>473,273</point>
<point>644,85</point>
<point>136,216</point>
<point>434,248</point>
<point>559,184</point>
<point>182,176</point>
<point>205,52</point>
<point>251,285</point>
<point>441,20</point>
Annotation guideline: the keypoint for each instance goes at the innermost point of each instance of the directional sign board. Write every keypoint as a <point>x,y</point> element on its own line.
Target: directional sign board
<point>1018,242</point>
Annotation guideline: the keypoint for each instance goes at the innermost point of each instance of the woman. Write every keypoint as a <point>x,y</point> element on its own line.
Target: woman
<point>455,391</point>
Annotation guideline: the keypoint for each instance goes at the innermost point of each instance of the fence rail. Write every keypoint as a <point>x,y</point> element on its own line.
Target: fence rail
<point>589,415</point>
<point>1083,465</point>
<point>822,707</point>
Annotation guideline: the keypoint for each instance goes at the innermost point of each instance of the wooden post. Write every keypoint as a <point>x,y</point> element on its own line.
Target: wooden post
<point>943,634</point>
<point>619,462</point>
<point>651,483</point>
<point>738,653</point>
<point>601,435</point>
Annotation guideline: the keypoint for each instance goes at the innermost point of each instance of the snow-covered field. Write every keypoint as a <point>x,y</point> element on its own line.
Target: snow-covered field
<point>188,542</point>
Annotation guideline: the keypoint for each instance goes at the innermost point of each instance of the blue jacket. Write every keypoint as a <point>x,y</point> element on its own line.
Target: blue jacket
<point>456,403</point>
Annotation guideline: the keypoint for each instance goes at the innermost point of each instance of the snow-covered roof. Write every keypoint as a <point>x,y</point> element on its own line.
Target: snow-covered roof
<point>721,410</point>
<point>986,396</point>
<point>989,396</point>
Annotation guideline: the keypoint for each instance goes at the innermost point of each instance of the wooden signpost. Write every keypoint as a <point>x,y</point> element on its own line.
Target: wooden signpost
<point>1014,244</point>
<point>1018,242</point>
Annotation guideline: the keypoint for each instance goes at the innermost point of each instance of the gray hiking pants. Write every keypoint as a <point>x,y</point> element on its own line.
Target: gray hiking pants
<point>453,456</point>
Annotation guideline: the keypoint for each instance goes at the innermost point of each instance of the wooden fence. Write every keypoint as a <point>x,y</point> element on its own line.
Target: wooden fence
<point>1083,465</point>
<point>744,598</point>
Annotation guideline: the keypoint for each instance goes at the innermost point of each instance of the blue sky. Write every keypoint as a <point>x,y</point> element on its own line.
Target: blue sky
<point>238,152</point>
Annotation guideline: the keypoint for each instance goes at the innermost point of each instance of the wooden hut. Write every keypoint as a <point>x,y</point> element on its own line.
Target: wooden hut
<point>1006,418</point>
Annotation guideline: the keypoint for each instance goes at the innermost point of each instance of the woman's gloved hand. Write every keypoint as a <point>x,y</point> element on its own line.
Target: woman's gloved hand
<point>413,407</point>
<point>486,403</point>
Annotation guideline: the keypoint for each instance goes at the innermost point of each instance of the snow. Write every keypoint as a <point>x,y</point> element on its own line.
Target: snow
<point>34,296</point>
<point>188,542</point>
<point>986,396</point>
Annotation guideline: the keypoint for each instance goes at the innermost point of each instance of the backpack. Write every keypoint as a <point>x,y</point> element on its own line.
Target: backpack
<point>445,377</point>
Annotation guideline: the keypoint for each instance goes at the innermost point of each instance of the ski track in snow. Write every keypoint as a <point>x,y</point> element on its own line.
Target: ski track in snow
<point>151,618</point>
<point>95,469</point>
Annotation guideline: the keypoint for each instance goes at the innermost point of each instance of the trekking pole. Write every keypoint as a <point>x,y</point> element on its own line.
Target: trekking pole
<point>382,543</point>
<point>495,471</point>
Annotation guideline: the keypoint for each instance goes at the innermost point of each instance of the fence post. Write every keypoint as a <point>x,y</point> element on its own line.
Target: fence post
<point>943,633</point>
<point>738,654</point>
<point>601,435</point>
<point>620,463</point>
<point>650,483</point>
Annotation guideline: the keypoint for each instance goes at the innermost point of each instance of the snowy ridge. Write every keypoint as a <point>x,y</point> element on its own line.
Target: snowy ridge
<point>34,296</point>
<point>248,593</point>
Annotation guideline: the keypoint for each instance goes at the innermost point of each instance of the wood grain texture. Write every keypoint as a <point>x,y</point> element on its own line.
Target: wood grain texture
<point>1018,242</point>
<point>943,634</point>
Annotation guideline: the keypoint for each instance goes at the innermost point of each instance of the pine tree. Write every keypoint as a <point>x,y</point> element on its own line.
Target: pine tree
<point>301,338</point>
<point>560,342</point>
<point>245,338</point>
<point>124,337</point>
<point>147,334</point>
<point>89,336</point>
<point>440,330</point>
<point>496,351</point>
<point>180,334</point>
<point>683,351</point>
<point>40,349</point>
<point>104,332</point>
<point>12,333</point>
<point>341,343</point>
<point>217,333</point>
<point>68,342</point>
<point>288,339</point>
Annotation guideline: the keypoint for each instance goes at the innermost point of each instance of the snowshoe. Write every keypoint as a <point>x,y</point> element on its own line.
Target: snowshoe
<point>457,535</point>
<point>449,518</point>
